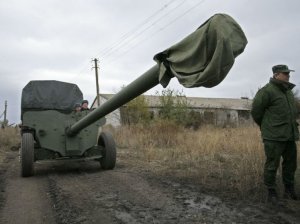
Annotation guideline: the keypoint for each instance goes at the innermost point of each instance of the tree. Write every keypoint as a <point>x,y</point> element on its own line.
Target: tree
<point>135,111</point>
<point>174,106</point>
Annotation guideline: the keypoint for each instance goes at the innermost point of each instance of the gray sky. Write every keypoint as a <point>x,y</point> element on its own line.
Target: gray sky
<point>56,40</point>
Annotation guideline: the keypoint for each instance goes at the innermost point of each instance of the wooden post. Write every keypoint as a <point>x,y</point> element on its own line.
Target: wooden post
<point>97,82</point>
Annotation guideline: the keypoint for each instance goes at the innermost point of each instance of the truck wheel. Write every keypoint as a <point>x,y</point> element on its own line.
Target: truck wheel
<point>109,154</point>
<point>27,155</point>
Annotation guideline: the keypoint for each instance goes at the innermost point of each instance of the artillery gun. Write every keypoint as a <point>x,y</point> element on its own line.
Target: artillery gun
<point>52,131</point>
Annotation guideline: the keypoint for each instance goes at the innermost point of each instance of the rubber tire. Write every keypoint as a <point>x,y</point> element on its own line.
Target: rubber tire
<point>27,155</point>
<point>108,161</point>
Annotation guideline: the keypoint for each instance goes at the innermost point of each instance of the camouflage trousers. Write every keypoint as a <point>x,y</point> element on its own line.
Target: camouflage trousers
<point>274,150</point>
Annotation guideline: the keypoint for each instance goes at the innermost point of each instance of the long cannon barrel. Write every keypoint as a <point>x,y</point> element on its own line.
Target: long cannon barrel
<point>203,58</point>
<point>145,82</point>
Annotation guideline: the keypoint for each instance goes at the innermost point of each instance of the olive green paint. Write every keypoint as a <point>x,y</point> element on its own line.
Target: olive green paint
<point>50,127</point>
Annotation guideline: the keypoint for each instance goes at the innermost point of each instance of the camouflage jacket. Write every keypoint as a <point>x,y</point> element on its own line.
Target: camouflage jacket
<point>274,110</point>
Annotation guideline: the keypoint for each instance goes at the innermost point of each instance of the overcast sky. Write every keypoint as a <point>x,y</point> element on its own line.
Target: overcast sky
<point>56,40</point>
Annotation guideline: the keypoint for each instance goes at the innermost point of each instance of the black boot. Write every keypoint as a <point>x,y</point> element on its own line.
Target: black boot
<point>289,192</point>
<point>272,196</point>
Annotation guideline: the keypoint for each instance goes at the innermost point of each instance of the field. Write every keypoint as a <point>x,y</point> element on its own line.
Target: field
<point>225,160</point>
<point>228,161</point>
<point>164,174</point>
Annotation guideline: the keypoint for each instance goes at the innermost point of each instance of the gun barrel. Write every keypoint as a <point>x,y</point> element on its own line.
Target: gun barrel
<point>143,83</point>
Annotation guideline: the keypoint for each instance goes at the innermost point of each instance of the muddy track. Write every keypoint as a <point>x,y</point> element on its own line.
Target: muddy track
<point>83,193</point>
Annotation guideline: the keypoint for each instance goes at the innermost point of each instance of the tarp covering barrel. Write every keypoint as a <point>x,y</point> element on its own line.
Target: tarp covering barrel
<point>50,95</point>
<point>205,57</point>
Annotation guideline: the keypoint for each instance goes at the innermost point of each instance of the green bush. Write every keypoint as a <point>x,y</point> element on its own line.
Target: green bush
<point>175,107</point>
<point>136,111</point>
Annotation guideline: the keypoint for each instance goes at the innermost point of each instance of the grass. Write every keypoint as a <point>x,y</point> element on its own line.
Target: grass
<point>9,137</point>
<point>228,160</point>
<point>225,160</point>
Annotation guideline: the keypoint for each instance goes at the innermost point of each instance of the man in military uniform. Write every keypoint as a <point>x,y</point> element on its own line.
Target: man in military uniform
<point>77,107</point>
<point>84,105</point>
<point>275,111</point>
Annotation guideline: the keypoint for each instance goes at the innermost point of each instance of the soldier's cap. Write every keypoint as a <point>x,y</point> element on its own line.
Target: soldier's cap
<point>281,68</point>
<point>77,105</point>
<point>84,101</point>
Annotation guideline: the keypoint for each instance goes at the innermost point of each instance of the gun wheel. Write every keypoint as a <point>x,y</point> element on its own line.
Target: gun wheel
<point>27,155</point>
<point>109,154</point>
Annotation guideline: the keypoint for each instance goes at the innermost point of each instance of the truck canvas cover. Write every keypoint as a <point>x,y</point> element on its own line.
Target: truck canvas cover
<point>50,95</point>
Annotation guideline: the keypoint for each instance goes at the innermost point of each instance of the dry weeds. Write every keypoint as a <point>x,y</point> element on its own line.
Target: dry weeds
<point>224,160</point>
<point>227,160</point>
<point>9,140</point>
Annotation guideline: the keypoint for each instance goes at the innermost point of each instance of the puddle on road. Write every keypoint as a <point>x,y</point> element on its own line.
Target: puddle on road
<point>204,202</point>
<point>125,217</point>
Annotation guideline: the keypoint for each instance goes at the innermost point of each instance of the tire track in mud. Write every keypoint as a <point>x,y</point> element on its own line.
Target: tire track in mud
<point>113,196</point>
<point>70,195</point>
<point>65,212</point>
<point>8,157</point>
<point>26,200</point>
<point>89,195</point>
<point>83,193</point>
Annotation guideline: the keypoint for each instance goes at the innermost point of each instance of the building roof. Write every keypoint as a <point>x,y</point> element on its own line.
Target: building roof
<point>197,102</point>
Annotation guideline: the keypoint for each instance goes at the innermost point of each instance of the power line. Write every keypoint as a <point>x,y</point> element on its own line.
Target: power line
<point>131,33</point>
<point>80,72</point>
<point>134,37</point>
<point>183,14</point>
<point>126,35</point>
<point>127,39</point>
<point>149,36</point>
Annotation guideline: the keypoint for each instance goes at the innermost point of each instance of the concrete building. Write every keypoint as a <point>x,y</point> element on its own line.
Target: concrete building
<point>113,118</point>
<point>220,112</point>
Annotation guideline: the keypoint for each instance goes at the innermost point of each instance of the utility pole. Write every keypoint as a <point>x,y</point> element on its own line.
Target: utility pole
<point>97,83</point>
<point>5,111</point>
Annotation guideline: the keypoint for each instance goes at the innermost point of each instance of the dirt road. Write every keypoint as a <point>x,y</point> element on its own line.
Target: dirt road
<point>131,193</point>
